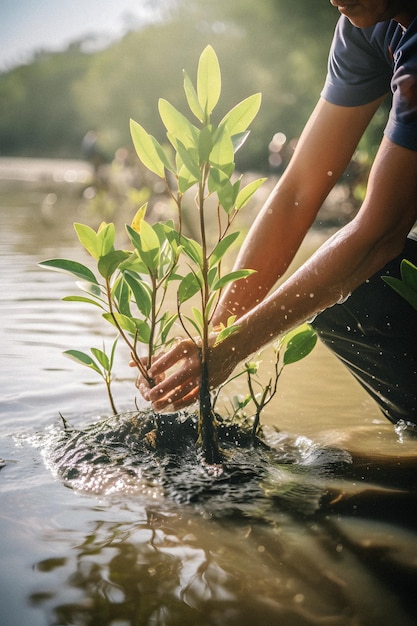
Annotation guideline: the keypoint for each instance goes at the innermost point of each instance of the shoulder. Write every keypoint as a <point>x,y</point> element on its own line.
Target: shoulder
<point>402,124</point>
<point>360,63</point>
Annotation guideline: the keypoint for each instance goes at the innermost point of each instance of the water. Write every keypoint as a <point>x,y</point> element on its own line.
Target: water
<point>317,528</point>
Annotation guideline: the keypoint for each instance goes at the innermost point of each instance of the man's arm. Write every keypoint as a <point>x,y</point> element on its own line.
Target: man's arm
<point>356,252</point>
<point>321,156</point>
<point>374,237</point>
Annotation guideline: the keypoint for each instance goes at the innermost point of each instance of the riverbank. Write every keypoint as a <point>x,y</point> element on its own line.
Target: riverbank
<point>33,170</point>
<point>48,174</point>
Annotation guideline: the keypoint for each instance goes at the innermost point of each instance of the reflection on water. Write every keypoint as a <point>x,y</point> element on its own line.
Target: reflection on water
<point>319,528</point>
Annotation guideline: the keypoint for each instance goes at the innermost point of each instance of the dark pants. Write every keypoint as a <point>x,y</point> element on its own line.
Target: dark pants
<point>374,333</point>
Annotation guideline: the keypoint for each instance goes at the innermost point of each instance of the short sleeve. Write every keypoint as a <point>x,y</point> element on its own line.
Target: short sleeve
<point>402,124</point>
<point>358,69</point>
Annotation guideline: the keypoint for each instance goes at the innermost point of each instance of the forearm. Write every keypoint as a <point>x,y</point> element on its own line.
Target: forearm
<point>341,264</point>
<point>323,151</point>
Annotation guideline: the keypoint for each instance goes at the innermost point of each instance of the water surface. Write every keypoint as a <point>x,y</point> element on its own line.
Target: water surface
<point>323,533</point>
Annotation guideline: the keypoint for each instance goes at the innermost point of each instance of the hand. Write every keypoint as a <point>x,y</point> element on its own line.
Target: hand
<point>181,388</point>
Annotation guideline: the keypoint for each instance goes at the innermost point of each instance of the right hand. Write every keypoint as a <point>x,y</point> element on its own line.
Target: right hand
<point>181,388</point>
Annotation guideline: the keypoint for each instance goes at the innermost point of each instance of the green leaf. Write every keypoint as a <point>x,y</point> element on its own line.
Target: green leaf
<point>247,192</point>
<point>166,323</point>
<point>217,180</point>
<point>82,299</point>
<point>239,139</point>
<point>96,243</point>
<point>106,235</point>
<point>402,289</point>
<point>150,245</point>
<point>194,324</point>
<point>121,294</point>
<point>83,358</point>
<point>110,262</point>
<point>70,267</point>
<point>222,247</point>
<point>185,179</point>
<point>138,218</point>
<point>177,125</point>
<point>198,316</point>
<point>409,274</point>
<point>224,333</point>
<point>135,327</point>
<point>190,158</point>
<point>188,287</point>
<point>300,345</point>
<point>213,299</point>
<point>124,321</point>
<point>193,250</point>
<point>238,119</point>
<point>228,194</point>
<point>205,144</point>
<point>93,289</point>
<point>231,277</point>
<point>192,98</point>
<point>149,150</point>
<point>141,292</point>
<point>88,238</point>
<point>222,154</point>
<point>147,245</point>
<point>143,331</point>
<point>102,358</point>
<point>208,81</point>
<point>113,350</point>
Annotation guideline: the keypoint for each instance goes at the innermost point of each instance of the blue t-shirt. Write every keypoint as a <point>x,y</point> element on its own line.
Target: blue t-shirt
<point>365,64</point>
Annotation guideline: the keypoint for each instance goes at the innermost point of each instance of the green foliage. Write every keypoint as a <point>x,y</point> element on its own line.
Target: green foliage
<point>271,46</point>
<point>295,345</point>
<point>100,363</point>
<point>130,286</point>
<point>406,286</point>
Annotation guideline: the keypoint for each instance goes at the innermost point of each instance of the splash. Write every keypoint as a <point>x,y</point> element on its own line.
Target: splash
<point>154,456</point>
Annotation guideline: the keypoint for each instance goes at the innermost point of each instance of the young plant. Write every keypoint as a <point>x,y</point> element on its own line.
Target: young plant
<point>203,159</point>
<point>130,285</point>
<point>99,362</point>
<point>297,345</point>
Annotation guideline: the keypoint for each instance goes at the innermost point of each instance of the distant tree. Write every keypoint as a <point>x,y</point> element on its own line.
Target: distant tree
<point>38,113</point>
<point>277,47</point>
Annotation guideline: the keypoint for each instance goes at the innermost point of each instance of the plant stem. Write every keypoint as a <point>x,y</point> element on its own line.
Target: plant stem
<point>207,420</point>
<point>110,395</point>
<point>136,359</point>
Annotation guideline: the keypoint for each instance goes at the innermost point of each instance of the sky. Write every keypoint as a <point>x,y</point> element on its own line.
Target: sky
<point>27,26</point>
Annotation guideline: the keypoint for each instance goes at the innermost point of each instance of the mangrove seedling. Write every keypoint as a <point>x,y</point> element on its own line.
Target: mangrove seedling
<point>130,286</point>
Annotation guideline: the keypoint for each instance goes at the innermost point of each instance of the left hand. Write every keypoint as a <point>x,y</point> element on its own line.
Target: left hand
<point>181,388</point>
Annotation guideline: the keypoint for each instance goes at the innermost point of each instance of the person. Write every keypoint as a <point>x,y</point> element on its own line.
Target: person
<point>340,287</point>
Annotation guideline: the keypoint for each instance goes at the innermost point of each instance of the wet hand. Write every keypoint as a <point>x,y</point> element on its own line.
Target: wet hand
<point>178,389</point>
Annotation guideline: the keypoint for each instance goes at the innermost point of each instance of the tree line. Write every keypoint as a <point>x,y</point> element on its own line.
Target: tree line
<point>276,47</point>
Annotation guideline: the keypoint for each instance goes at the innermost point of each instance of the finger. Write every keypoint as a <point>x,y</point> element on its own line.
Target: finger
<point>182,403</point>
<point>190,398</point>
<point>162,396</point>
<point>177,353</point>
<point>187,377</point>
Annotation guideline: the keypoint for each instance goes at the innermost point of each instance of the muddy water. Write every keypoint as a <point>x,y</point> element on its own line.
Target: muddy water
<point>317,528</point>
